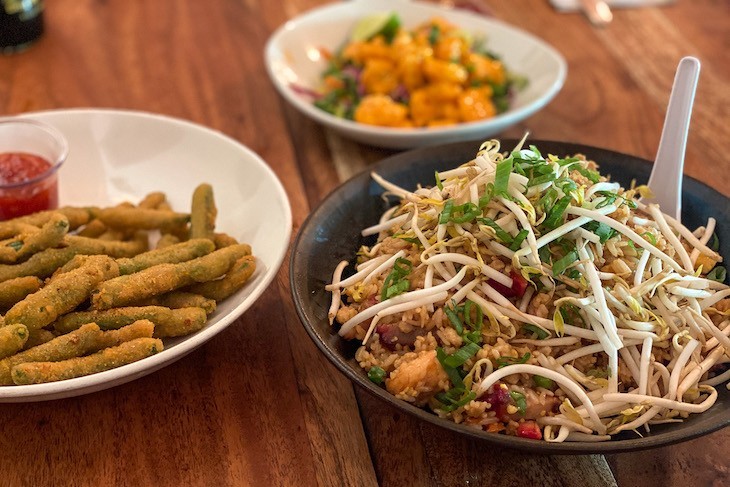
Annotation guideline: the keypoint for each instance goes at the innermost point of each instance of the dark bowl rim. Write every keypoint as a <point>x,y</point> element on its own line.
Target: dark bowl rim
<point>510,442</point>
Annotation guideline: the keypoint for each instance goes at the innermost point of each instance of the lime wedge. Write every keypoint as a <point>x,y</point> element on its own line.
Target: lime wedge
<point>385,23</point>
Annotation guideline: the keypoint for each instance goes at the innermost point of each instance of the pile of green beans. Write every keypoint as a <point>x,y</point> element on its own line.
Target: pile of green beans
<point>82,290</point>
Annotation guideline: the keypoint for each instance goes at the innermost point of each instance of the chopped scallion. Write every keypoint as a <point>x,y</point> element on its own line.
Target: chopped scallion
<point>718,274</point>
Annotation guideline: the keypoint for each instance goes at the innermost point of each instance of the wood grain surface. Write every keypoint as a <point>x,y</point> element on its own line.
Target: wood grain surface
<point>259,405</point>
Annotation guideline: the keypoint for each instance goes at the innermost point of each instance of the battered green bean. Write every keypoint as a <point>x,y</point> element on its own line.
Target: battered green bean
<point>11,228</point>
<point>17,289</point>
<point>12,339</point>
<point>73,344</point>
<point>152,200</point>
<point>109,358</point>
<point>181,299</point>
<point>172,254</point>
<point>203,212</point>
<point>112,248</point>
<point>92,229</point>
<point>42,264</point>
<point>223,240</point>
<point>168,322</point>
<point>62,293</point>
<point>234,280</point>
<point>137,329</point>
<point>163,278</point>
<point>77,216</point>
<point>166,240</point>
<point>26,244</point>
<point>141,218</point>
<point>38,337</point>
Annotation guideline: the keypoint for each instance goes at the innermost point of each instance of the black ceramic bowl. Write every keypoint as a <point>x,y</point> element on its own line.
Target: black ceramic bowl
<point>332,233</point>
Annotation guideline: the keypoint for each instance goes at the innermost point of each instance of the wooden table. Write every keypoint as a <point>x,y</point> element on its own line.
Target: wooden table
<point>258,404</point>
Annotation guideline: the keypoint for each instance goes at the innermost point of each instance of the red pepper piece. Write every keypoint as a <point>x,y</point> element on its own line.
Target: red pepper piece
<point>519,285</point>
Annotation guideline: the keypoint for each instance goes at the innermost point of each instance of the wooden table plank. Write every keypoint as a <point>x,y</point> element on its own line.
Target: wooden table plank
<point>258,404</point>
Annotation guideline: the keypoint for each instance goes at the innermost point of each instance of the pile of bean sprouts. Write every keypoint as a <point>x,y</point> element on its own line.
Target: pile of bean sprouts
<point>652,305</point>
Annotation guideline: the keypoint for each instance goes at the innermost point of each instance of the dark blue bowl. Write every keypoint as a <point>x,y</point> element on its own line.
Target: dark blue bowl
<point>331,233</point>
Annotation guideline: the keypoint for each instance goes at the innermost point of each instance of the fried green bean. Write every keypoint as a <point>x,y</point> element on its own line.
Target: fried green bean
<point>137,329</point>
<point>168,322</point>
<point>11,228</point>
<point>223,240</point>
<point>17,289</point>
<point>112,248</point>
<point>42,264</point>
<point>109,358</point>
<point>67,346</point>
<point>92,229</point>
<point>76,216</point>
<point>167,239</point>
<point>141,218</point>
<point>181,299</point>
<point>62,293</point>
<point>38,337</point>
<point>163,278</point>
<point>203,212</point>
<point>26,244</point>
<point>239,273</point>
<point>152,200</point>
<point>12,339</point>
<point>171,255</point>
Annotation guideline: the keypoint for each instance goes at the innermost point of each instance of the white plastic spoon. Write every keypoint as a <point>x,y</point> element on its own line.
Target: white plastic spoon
<point>665,181</point>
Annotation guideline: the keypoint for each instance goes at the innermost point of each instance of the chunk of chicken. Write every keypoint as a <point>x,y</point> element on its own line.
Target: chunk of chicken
<point>418,379</point>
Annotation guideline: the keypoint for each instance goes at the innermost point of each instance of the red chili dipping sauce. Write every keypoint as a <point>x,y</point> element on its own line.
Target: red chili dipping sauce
<point>16,198</point>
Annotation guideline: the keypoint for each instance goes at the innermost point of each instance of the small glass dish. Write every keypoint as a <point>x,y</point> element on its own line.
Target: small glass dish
<point>31,153</point>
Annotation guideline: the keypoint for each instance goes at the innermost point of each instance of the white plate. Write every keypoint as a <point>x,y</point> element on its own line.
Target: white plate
<point>292,57</point>
<point>122,155</point>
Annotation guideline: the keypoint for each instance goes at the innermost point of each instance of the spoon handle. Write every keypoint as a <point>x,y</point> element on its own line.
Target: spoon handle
<point>666,175</point>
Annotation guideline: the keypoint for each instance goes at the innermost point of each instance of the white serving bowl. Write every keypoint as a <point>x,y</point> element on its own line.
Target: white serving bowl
<point>293,57</point>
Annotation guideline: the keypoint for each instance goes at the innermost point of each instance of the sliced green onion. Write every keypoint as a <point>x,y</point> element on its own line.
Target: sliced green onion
<point>451,372</point>
<point>479,320</point>
<point>650,237</point>
<point>454,319</point>
<point>563,263</point>
<point>501,177</point>
<point>398,288</point>
<point>548,199</point>
<point>517,240</point>
<point>439,184</point>
<point>555,215</point>
<point>593,176</point>
<point>463,354</point>
<point>546,178</point>
<point>718,274</point>
<point>543,382</point>
<point>499,231</point>
<point>603,231</point>
<point>396,283</point>
<point>455,398</point>
<point>541,334</point>
<point>715,242</point>
<point>505,361</point>
<point>468,212</point>
<point>520,401</point>
<point>446,212</point>
<point>487,196</point>
<point>567,161</point>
